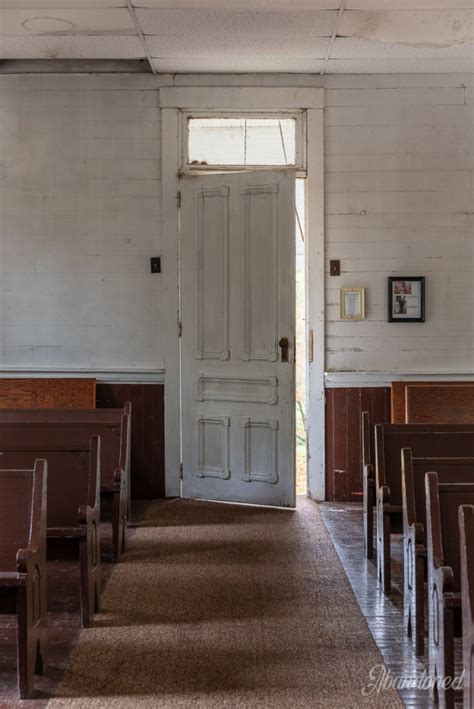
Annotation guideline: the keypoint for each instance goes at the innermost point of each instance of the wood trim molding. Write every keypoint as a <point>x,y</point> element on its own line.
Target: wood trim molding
<point>170,299</point>
<point>111,376</point>
<point>383,379</point>
<point>241,98</point>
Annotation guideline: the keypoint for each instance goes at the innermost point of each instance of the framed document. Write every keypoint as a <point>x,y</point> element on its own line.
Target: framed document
<point>352,303</point>
<point>406,299</point>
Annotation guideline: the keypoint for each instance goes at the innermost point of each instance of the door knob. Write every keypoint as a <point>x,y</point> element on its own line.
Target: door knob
<point>284,348</point>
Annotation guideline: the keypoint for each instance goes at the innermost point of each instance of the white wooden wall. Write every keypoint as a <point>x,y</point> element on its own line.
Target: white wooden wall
<point>80,216</point>
<point>399,160</point>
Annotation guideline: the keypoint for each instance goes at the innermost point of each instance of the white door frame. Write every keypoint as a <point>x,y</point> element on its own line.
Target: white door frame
<point>174,100</point>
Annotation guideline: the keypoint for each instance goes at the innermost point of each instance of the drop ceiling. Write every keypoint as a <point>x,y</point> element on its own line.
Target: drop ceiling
<point>356,36</point>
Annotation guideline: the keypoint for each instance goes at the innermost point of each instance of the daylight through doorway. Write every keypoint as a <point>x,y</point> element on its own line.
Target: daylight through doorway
<point>300,395</point>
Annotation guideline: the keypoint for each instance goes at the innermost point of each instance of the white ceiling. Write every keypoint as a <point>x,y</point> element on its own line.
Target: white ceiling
<point>356,36</point>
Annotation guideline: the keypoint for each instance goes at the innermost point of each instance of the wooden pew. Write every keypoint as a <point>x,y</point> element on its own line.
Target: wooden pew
<point>425,440</point>
<point>444,579</point>
<point>73,499</point>
<point>23,566</point>
<point>440,403</point>
<point>47,393</point>
<point>450,470</point>
<point>368,481</point>
<point>466,528</point>
<point>399,400</point>
<point>114,428</point>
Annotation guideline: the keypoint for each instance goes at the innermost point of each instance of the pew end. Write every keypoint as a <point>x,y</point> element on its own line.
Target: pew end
<point>444,579</point>
<point>23,500</point>
<point>466,533</point>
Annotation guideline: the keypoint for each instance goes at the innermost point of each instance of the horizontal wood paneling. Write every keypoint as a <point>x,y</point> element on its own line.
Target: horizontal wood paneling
<point>344,407</point>
<point>79,218</point>
<point>147,465</point>
<point>399,164</point>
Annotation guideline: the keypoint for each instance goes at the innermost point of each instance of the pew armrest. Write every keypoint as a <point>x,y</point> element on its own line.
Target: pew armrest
<point>444,577</point>
<point>417,533</point>
<point>85,514</point>
<point>25,560</point>
<point>384,494</point>
<point>119,477</point>
<point>369,475</point>
<point>35,553</point>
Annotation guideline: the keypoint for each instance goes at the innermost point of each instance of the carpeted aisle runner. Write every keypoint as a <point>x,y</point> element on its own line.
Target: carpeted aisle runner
<point>219,606</point>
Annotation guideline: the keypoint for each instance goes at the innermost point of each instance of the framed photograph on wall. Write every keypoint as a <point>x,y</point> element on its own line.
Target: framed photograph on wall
<point>352,301</point>
<point>406,299</point>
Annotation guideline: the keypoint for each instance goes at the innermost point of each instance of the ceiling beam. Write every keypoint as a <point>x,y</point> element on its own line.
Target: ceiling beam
<point>134,17</point>
<point>340,13</point>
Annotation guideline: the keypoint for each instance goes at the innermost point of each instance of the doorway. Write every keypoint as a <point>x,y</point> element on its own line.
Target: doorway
<point>220,143</point>
<point>306,105</point>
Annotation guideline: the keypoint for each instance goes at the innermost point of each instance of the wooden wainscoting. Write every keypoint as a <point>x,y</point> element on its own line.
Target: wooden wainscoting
<point>344,407</point>
<point>148,433</point>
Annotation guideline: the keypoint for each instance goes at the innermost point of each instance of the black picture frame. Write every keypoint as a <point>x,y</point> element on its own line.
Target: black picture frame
<point>407,293</point>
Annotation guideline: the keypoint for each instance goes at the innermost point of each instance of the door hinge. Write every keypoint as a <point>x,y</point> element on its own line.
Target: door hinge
<point>180,328</point>
<point>178,199</point>
<point>180,471</point>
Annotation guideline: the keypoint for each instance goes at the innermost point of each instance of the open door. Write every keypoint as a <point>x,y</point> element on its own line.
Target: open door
<point>237,234</point>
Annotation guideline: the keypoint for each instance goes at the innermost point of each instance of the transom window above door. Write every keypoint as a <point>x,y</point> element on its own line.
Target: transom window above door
<point>243,141</point>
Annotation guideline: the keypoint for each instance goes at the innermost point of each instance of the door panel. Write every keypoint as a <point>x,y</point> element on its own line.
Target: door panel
<point>237,302</point>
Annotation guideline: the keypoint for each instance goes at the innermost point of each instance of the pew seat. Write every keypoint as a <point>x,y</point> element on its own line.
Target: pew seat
<point>443,501</point>
<point>23,566</point>
<point>449,470</point>
<point>73,498</point>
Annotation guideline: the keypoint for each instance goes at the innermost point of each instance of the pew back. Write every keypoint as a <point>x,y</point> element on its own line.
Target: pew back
<point>16,498</point>
<point>47,393</point>
<point>112,425</point>
<point>455,470</point>
<point>440,403</point>
<point>399,400</point>
<point>425,440</point>
<point>72,469</point>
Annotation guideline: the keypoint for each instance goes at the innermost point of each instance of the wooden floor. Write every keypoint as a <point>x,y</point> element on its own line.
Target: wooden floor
<point>384,614</point>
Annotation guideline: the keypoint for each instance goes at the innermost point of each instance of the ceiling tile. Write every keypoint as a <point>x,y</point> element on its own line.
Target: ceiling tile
<point>399,66</point>
<point>355,48</point>
<point>212,22</point>
<point>98,47</point>
<point>233,46</point>
<point>409,4</point>
<point>65,4</point>
<point>236,64</point>
<point>241,4</point>
<point>65,21</point>
<point>409,26</point>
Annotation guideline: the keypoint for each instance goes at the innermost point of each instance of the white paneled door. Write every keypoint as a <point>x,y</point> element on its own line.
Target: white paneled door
<point>237,237</point>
